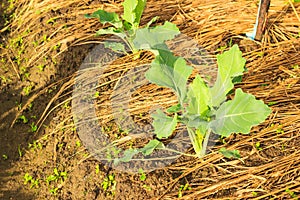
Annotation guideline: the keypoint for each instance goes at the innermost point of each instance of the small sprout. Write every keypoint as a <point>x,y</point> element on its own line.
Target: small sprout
<point>20,151</point>
<point>258,146</point>
<point>222,48</point>
<point>97,170</point>
<point>279,129</point>
<point>147,187</point>
<point>57,46</point>
<point>35,145</point>
<point>97,94</point>
<point>291,193</point>
<point>109,182</point>
<point>142,174</point>
<point>78,143</point>
<point>295,66</point>
<point>27,90</point>
<point>41,67</point>
<point>54,191</point>
<point>52,20</point>
<point>254,193</point>
<point>24,119</point>
<point>66,105</point>
<point>27,178</point>
<point>33,127</point>
<point>183,188</point>
<point>271,103</point>
<point>5,157</point>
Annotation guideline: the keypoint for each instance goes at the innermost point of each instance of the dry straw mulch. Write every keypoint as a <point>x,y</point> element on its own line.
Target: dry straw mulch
<point>272,76</point>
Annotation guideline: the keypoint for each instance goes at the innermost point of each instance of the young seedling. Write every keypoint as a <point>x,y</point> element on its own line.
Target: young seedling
<point>127,28</point>
<point>202,109</point>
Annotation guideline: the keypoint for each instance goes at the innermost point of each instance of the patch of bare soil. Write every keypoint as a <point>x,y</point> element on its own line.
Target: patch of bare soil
<point>42,157</point>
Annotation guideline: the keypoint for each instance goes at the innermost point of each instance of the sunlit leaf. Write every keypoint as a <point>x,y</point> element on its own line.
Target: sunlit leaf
<point>163,124</point>
<point>106,17</point>
<point>230,64</point>
<point>239,114</point>
<point>170,71</point>
<point>111,30</point>
<point>198,97</point>
<point>129,7</point>
<point>174,109</point>
<point>147,38</point>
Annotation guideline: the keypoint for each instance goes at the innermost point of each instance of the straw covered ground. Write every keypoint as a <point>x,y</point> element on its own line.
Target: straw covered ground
<point>42,45</point>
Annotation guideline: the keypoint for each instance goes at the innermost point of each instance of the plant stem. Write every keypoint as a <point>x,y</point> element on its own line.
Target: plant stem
<point>205,142</point>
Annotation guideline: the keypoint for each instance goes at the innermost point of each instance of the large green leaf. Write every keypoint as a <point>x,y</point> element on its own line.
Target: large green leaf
<point>170,71</point>
<point>106,17</point>
<point>163,124</point>
<point>230,64</point>
<point>129,7</point>
<point>147,38</point>
<point>239,114</point>
<point>198,97</point>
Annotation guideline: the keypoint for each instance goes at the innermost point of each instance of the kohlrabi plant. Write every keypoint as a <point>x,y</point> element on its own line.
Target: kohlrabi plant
<point>127,28</point>
<point>202,109</point>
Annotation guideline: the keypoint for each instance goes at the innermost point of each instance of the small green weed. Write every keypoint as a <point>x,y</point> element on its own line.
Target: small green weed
<point>291,193</point>
<point>142,174</point>
<point>24,119</point>
<point>33,127</point>
<point>27,90</point>
<point>183,188</point>
<point>56,176</point>
<point>4,157</point>
<point>35,145</point>
<point>29,179</point>
<point>109,184</point>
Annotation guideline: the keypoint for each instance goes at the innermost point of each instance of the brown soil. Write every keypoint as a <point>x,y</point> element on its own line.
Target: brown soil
<point>42,48</point>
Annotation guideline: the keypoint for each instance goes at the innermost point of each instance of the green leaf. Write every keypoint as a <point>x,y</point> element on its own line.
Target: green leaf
<point>147,38</point>
<point>111,30</point>
<point>128,154</point>
<point>129,10</point>
<point>198,97</point>
<point>230,153</point>
<point>115,46</point>
<point>174,109</point>
<point>163,124</point>
<point>149,148</point>
<point>170,71</point>
<point>239,114</point>
<point>106,17</point>
<point>139,11</point>
<point>230,64</point>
